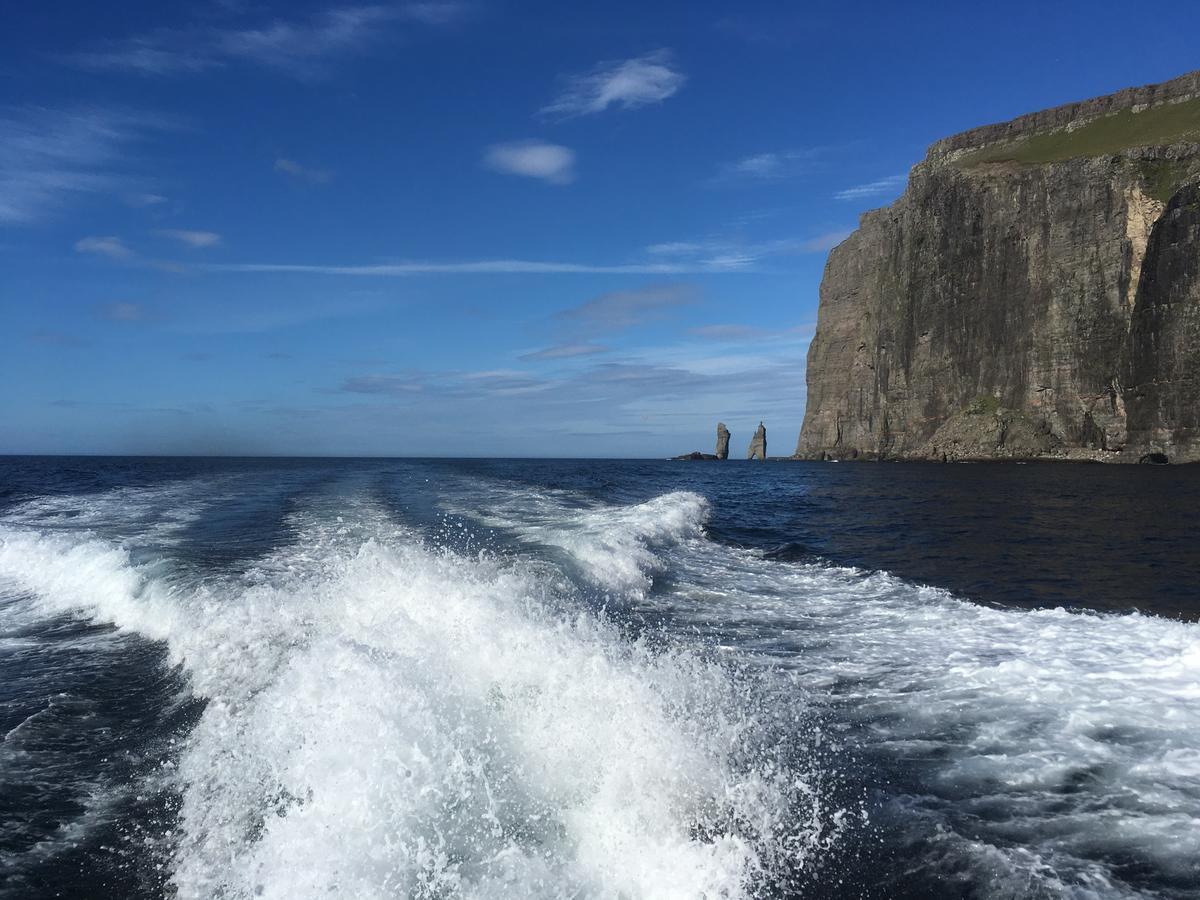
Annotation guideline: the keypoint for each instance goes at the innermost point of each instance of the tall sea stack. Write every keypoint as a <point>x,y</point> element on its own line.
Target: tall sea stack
<point>1034,292</point>
<point>722,441</point>
<point>758,444</point>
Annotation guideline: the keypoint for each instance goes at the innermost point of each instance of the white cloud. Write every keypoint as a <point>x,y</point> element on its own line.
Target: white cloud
<point>890,185</point>
<point>304,173</point>
<point>713,256</point>
<point>823,242</point>
<point>627,84</point>
<point>194,239</point>
<point>474,267</point>
<point>676,248</point>
<point>564,351</point>
<point>552,163</point>
<point>618,310</point>
<point>727,332</point>
<point>48,157</point>
<point>729,255</point>
<point>110,246</point>
<point>144,200</point>
<point>770,166</point>
<point>764,165</point>
<point>301,47</point>
<point>123,312</point>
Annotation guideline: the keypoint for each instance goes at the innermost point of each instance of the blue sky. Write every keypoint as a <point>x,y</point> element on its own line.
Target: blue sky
<point>478,228</point>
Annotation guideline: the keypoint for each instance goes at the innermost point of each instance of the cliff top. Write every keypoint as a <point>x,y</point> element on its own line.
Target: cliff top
<point>1153,114</point>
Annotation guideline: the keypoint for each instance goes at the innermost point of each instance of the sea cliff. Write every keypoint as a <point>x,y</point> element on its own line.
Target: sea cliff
<point>1035,292</point>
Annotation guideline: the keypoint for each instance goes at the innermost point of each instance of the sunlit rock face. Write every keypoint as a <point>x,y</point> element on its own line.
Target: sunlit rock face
<point>758,444</point>
<point>1033,292</point>
<point>722,451</point>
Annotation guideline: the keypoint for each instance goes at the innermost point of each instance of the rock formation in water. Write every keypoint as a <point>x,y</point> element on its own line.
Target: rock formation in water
<point>1035,292</point>
<point>722,441</point>
<point>758,445</point>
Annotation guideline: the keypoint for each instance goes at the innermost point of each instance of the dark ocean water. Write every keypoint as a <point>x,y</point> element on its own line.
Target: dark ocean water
<point>437,678</point>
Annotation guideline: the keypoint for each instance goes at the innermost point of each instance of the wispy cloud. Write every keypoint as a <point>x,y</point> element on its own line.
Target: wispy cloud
<point>57,338</point>
<point>303,173</point>
<point>626,84</point>
<point>893,184</point>
<point>551,163</point>
<point>476,267</point>
<point>458,385</point>
<point>48,157</point>
<point>144,200</point>
<point>564,351</point>
<point>619,310</point>
<point>823,242</point>
<point>728,254</point>
<point>666,394</point>
<point>122,312</point>
<point>770,166</point>
<point>300,47</point>
<point>195,239</point>
<point>762,165</point>
<point>728,332</point>
<point>708,256</point>
<point>111,246</point>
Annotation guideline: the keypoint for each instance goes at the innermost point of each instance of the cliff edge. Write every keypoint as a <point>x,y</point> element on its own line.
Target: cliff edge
<point>1035,292</point>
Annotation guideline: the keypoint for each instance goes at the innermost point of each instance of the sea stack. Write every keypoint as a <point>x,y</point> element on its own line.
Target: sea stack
<point>1035,292</point>
<point>758,446</point>
<point>722,441</point>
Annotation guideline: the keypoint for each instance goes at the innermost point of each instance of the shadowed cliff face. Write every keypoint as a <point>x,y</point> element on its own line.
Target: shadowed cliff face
<point>1020,301</point>
<point>1163,384</point>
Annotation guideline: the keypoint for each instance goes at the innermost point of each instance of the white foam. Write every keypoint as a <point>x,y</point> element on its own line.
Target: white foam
<point>389,719</point>
<point>1078,734</point>
<point>150,514</point>
<point>616,547</point>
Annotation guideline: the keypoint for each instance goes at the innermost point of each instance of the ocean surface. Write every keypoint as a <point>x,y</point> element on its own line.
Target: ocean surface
<point>473,678</point>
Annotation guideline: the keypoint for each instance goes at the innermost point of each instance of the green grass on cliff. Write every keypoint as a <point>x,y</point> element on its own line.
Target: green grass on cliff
<point>1165,124</point>
<point>984,405</point>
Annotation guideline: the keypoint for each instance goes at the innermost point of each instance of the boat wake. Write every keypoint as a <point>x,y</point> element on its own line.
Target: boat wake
<point>388,717</point>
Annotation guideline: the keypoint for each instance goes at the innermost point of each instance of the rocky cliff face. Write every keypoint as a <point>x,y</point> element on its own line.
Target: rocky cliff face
<point>722,451</point>
<point>1034,292</point>
<point>758,444</point>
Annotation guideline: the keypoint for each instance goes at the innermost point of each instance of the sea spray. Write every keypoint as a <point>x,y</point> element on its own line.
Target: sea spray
<point>388,717</point>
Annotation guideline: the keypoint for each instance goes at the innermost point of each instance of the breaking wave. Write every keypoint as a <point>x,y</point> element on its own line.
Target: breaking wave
<point>385,717</point>
<point>1041,753</point>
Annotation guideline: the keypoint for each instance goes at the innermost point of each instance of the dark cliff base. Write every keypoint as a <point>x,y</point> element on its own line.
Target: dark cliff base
<point>1034,294</point>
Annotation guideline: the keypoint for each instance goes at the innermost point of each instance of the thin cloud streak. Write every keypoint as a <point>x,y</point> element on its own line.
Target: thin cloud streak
<point>891,184</point>
<point>730,255</point>
<point>564,351</point>
<point>197,240</point>
<point>728,332</point>
<point>479,267</point>
<point>302,47</point>
<point>111,246</point>
<point>304,173</point>
<point>619,310</point>
<point>771,166</point>
<point>123,312</point>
